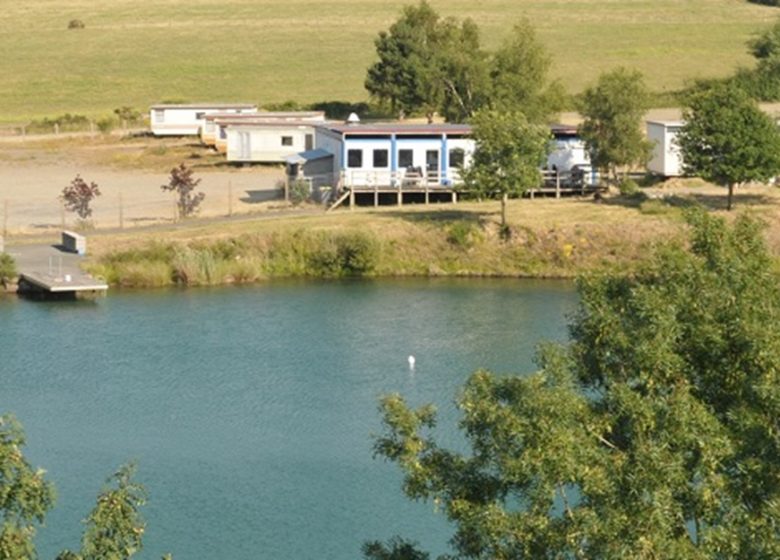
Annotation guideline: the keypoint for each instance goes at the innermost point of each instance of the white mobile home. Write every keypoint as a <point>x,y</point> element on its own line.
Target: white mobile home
<point>265,130</point>
<point>568,150</point>
<point>389,155</point>
<point>215,126</point>
<point>187,119</point>
<point>666,158</point>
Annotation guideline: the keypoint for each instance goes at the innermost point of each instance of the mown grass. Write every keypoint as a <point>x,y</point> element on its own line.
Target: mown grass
<point>137,52</point>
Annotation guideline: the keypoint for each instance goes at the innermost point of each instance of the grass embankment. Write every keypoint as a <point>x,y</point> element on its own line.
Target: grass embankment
<point>550,238</point>
<point>137,52</point>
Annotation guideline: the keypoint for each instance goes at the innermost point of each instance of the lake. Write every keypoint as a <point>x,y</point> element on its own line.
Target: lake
<point>250,410</point>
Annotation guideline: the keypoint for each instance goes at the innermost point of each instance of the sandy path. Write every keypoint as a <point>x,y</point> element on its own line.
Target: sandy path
<point>29,194</point>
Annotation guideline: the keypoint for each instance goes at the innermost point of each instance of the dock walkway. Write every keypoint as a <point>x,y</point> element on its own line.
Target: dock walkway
<point>49,269</point>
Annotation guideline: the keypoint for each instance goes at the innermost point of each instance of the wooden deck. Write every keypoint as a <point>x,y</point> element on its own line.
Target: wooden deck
<point>48,271</point>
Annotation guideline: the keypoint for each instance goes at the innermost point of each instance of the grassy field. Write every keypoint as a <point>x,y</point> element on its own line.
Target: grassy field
<point>136,52</point>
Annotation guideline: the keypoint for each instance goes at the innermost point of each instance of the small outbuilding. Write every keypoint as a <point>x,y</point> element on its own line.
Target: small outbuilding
<point>187,119</point>
<point>666,159</point>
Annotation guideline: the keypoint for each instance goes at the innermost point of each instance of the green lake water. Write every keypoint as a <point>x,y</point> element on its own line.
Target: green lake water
<point>250,410</point>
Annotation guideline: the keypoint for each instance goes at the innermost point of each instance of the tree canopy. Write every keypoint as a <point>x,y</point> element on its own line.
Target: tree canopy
<point>655,433</point>
<point>431,64</point>
<point>727,139</point>
<point>612,111</point>
<point>114,529</point>
<point>508,156</point>
<point>519,75</point>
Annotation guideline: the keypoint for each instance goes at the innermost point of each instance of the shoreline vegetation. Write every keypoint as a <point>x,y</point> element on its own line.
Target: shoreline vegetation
<point>549,239</point>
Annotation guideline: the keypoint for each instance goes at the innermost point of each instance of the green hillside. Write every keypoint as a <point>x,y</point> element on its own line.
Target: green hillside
<point>135,52</point>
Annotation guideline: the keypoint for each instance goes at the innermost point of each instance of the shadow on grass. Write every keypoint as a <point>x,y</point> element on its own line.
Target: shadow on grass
<point>255,197</point>
<point>643,203</point>
<point>442,217</point>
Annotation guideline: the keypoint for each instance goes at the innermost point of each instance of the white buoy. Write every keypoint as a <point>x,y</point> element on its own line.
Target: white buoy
<point>411,362</point>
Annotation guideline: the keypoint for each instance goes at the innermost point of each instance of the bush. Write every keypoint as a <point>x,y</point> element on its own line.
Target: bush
<point>462,234</point>
<point>347,254</point>
<point>76,24</point>
<point>628,187</point>
<point>106,124</point>
<point>65,123</point>
<point>300,191</point>
<point>7,268</point>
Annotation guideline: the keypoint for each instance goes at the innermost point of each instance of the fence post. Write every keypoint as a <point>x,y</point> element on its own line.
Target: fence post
<point>557,184</point>
<point>230,197</point>
<point>5,218</point>
<point>56,128</point>
<point>121,212</point>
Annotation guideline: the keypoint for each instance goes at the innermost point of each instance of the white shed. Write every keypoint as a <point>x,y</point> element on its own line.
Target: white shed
<point>666,158</point>
<point>187,119</point>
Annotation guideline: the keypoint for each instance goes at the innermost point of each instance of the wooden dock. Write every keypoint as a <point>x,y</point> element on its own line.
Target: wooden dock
<point>48,271</point>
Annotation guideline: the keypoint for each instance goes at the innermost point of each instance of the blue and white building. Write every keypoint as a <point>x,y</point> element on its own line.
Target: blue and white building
<point>397,154</point>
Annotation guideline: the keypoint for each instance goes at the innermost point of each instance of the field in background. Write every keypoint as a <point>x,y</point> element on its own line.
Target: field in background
<point>136,52</point>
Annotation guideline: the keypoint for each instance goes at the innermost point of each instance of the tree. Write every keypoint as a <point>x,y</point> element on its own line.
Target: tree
<point>613,110</point>
<point>405,74</point>
<point>519,74</point>
<point>115,527</point>
<point>728,140</point>
<point>654,434</point>
<point>25,495</point>
<point>78,196</point>
<point>183,183</point>
<point>462,70</point>
<point>508,156</point>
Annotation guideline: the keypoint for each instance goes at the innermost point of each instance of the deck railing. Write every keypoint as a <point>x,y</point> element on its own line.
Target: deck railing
<point>401,179</point>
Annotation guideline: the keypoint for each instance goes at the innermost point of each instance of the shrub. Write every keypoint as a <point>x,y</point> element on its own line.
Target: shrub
<point>76,24</point>
<point>462,234</point>
<point>106,124</point>
<point>7,268</point>
<point>628,187</point>
<point>347,254</point>
<point>300,191</point>
<point>65,123</point>
<point>128,114</point>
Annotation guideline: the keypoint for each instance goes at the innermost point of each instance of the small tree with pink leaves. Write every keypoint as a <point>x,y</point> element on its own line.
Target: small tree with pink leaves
<point>183,184</point>
<point>78,196</point>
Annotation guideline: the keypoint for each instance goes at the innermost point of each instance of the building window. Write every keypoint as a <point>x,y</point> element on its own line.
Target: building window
<point>309,142</point>
<point>287,141</point>
<point>405,158</point>
<point>354,158</point>
<point>380,158</point>
<point>457,158</point>
<point>199,115</point>
<point>159,115</point>
<point>222,132</point>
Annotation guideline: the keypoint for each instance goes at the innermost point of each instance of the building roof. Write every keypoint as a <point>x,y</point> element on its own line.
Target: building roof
<point>563,129</point>
<point>309,155</point>
<point>399,128</point>
<point>215,106</point>
<point>667,123</point>
<point>268,115</point>
<point>266,123</point>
